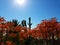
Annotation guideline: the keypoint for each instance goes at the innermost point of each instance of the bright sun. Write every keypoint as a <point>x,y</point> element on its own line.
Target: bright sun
<point>19,2</point>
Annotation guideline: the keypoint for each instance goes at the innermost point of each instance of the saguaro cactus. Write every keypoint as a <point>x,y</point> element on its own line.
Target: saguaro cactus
<point>29,23</point>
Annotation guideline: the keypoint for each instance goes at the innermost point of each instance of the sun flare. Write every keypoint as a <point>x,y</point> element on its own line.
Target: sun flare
<point>19,2</point>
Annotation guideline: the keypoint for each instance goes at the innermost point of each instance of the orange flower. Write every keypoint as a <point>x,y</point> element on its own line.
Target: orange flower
<point>18,28</point>
<point>12,35</point>
<point>8,43</point>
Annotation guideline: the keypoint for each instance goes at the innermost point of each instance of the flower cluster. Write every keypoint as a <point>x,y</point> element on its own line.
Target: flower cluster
<point>16,35</point>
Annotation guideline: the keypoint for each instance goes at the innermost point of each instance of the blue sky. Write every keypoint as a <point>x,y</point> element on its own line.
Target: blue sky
<point>36,9</point>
